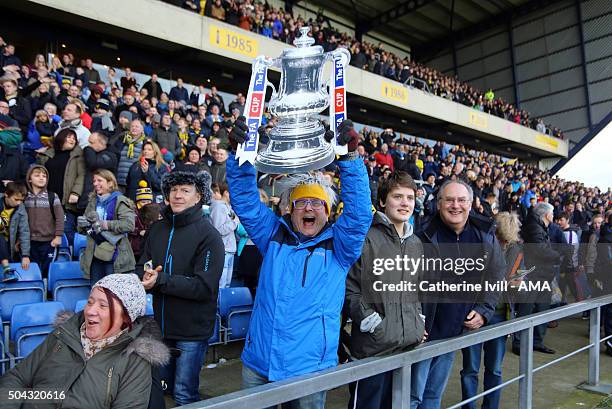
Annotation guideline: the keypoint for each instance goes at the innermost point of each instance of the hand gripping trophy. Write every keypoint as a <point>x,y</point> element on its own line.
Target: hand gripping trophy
<point>297,142</point>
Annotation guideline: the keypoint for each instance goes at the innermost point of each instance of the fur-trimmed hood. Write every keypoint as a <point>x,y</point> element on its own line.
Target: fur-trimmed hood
<point>147,344</point>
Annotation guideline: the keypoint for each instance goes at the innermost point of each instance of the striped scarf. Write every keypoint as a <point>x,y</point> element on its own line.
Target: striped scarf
<point>131,141</point>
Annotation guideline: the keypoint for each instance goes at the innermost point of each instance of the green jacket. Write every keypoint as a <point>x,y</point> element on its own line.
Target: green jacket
<point>119,376</point>
<point>124,222</point>
<point>74,176</point>
<point>402,327</point>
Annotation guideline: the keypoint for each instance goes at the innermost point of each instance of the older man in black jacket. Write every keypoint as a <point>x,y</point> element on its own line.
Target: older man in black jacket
<point>455,234</point>
<point>181,266</point>
<point>539,253</point>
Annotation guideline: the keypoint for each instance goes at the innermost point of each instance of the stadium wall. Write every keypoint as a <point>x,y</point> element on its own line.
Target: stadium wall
<point>550,46</point>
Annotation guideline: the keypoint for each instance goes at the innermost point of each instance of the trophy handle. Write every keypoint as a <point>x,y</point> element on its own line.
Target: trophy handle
<point>343,53</point>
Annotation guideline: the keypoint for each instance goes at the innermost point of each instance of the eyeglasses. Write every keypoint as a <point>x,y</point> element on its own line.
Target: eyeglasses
<point>316,204</point>
<point>460,200</point>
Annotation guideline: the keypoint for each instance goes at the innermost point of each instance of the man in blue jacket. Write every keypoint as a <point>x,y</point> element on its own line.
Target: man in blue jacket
<point>454,233</point>
<point>295,324</point>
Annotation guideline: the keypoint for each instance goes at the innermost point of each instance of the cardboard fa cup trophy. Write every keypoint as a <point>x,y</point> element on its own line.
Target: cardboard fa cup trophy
<point>297,142</point>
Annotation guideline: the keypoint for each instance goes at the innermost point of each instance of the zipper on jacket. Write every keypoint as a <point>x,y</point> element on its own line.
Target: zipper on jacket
<point>108,387</point>
<point>163,320</point>
<point>324,340</point>
<point>306,268</point>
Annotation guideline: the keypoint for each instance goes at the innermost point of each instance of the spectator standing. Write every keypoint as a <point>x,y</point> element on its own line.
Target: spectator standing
<point>128,81</point>
<point>153,87</point>
<point>186,253</point>
<point>384,158</point>
<point>298,248</point>
<point>150,167</point>
<point>507,232</point>
<point>602,271</point>
<point>66,166</point>
<point>454,224</point>
<point>19,107</point>
<point>384,322</point>
<point>108,219</point>
<point>98,155</point>
<point>129,146</point>
<point>111,329</point>
<point>166,136</point>
<point>538,253</point>
<point>225,221</point>
<point>179,92</point>
<point>218,167</point>
<point>91,74</point>
<point>45,232</point>
<point>13,166</point>
<point>14,229</point>
<point>71,119</point>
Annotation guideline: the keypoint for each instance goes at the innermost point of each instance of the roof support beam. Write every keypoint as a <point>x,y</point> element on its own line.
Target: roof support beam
<point>435,46</point>
<point>394,13</point>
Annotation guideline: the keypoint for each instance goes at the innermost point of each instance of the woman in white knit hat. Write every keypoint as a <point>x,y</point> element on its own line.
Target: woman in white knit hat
<point>99,358</point>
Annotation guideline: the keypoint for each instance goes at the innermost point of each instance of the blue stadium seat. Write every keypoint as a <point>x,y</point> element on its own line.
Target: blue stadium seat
<point>80,305</point>
<point>235,307</point>
<point>30,325</point>
<point>218,332</point>
<point>80,243</point>
<point>28,289</point>
<point>67,284</point>
<point>3,351</point>
<point>63,251</point>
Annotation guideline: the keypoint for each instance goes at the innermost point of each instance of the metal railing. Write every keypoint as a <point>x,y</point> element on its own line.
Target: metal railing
<point>283,391</point>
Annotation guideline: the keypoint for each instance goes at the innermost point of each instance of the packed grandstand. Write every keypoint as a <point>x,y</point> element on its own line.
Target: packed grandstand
<point>107,172</point>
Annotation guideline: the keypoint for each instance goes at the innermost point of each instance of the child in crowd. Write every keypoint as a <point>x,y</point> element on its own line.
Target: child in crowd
<point>14,229</point>
<point>45,218</point>
<point>226,222</point>
<point>147,212</point>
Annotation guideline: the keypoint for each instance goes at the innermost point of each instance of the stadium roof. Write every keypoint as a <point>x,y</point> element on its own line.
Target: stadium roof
<point>425,25</point>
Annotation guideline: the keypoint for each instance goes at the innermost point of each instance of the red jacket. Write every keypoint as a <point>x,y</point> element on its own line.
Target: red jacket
<point>382,160</point>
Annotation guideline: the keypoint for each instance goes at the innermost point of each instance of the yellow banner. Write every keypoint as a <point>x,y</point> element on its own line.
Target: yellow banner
<point>547,141</point>
<point>233,41</point>
<point>394,92</point>
<point>478,120</point>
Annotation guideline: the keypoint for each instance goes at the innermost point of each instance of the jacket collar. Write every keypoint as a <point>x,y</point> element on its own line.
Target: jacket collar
<point>187,216</point>
<point>144,339</point>
<point>381,219</point>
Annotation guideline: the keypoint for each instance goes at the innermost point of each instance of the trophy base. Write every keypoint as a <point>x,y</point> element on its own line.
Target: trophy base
<point>295,147</point>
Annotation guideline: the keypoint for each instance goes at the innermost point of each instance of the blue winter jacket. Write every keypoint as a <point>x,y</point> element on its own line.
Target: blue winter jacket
<point>295,323</point>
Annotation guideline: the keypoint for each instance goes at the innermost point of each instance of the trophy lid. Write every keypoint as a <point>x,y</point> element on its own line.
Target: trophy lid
<point>304,46</point>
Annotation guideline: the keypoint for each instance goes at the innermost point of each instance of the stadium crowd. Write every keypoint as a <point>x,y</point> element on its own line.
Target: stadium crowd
<point>130,166</point>
<point>281,25</point>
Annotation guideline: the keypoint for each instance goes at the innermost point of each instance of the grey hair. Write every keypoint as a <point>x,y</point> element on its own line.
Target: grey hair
<point>459,182</point>
<point>542,208</point>
<point>309,179</point>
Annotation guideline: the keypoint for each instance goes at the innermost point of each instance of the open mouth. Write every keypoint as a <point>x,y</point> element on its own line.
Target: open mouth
<point>308,221</point>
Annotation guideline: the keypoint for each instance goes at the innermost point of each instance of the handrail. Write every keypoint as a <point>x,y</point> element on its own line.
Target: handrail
<point>278,392</point>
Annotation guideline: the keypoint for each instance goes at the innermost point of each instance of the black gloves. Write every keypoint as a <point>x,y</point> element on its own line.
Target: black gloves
<point>240,132</point>
<point>346,135</point>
